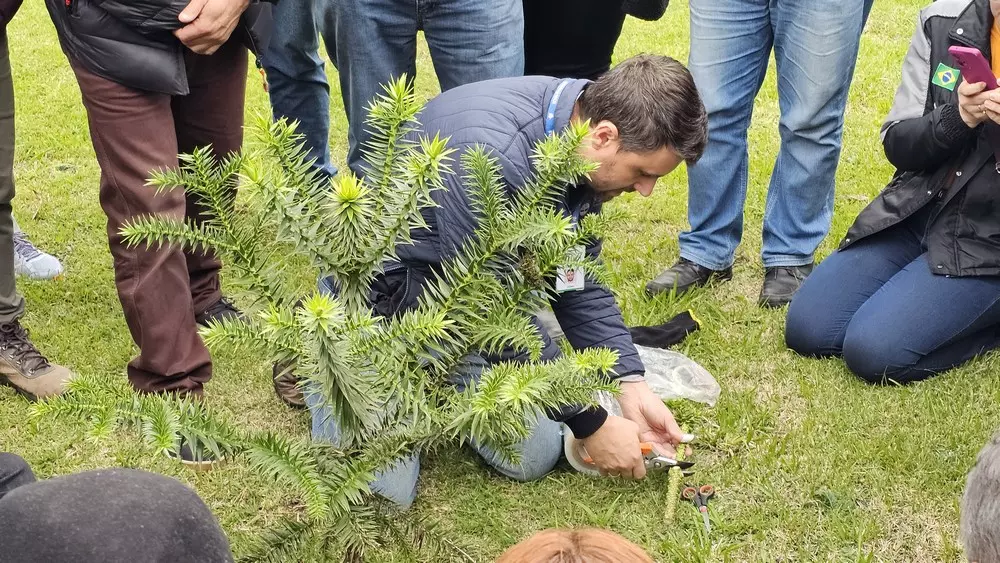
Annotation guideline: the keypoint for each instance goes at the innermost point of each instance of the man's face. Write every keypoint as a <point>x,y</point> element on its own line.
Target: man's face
<point>621,171</point>
<point>995,8</point>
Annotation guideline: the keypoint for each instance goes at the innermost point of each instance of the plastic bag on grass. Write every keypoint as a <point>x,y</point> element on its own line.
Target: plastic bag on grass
<point>672,375</point>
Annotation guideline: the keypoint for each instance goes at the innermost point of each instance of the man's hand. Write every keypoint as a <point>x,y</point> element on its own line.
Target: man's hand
<point>209,23</point>
<point>653,419</point>
<point>615,449</point>
<point>973,103</point>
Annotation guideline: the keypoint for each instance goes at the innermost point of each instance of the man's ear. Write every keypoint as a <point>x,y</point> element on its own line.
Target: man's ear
<point>604,134</point>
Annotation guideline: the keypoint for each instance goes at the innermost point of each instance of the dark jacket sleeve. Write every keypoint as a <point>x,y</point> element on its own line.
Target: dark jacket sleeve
<point>7,10</point>
<point>914,138</point>
<point>591,319</point>
<point>649,10</point>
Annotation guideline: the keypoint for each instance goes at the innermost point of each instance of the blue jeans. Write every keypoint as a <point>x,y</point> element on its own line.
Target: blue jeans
<point>815,47</point>
<point>376,41</point>
<point>878,305</point>
<point>296,75</point>
<point>539,452</point>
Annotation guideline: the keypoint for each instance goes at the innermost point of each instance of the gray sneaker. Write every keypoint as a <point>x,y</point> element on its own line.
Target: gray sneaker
<point>25,369</point>
<point>31,262</point>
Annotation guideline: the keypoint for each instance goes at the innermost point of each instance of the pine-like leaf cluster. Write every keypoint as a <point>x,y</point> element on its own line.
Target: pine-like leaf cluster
<point>385,380</point>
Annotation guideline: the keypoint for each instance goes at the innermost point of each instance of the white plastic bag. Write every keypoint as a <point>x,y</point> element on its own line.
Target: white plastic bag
<point>672,375</point>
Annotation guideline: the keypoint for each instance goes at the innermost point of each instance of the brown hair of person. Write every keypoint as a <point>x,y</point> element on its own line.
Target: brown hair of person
<point>575,546</point>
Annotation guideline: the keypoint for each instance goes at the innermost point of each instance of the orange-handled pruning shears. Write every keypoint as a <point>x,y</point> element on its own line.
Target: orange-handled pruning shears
<point>653,460</point>
<point>700,498</point>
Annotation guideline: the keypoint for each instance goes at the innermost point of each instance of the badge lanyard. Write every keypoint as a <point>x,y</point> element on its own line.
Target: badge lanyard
<point>550,114</point>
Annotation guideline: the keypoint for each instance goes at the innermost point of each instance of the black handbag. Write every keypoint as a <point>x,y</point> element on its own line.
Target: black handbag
<point>649,10</point>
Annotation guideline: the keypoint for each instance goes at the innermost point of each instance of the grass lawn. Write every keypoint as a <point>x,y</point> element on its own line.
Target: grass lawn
<point>810,464</point>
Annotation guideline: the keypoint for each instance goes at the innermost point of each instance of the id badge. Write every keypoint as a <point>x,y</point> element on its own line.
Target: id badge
<point>571,279</point>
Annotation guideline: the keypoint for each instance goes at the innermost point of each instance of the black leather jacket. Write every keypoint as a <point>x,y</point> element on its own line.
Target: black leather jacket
<point>939,160</point>
<point>127,41</point>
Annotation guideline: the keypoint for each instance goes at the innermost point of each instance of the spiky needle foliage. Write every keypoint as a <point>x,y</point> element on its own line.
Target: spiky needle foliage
<point>385,380</point>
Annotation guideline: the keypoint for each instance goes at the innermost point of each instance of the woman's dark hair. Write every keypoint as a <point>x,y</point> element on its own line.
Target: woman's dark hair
<point>653,102</point>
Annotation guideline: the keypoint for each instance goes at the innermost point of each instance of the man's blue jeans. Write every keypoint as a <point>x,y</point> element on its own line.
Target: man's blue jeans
<point>539,452</point>
<point>376,41</point>
<point>296,74</point>
<point>878,305</point>
<point>815,47</point>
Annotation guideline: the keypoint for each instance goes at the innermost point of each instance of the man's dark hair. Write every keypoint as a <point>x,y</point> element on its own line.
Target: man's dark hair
<point>653,101</point>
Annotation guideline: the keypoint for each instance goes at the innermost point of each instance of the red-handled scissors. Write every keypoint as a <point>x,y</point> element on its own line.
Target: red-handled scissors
<point>700,498</point>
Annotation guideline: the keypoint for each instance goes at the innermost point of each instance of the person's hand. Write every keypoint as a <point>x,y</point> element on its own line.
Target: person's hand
<point>615,449</point>
<point>992,106</point>
<point>654,420</point>
<point>209,23</point>
<point>973,103</point>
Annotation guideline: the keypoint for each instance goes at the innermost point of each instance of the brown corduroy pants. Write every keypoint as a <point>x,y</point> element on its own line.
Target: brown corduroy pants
<point>135,132</point>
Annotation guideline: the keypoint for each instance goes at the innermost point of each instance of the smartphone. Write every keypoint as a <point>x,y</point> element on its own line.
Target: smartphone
<point>974,66</point>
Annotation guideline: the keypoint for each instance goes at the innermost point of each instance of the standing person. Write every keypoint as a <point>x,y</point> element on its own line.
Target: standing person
<point>376,41</point>
<point>296,74</point>
<point>582,43</point>
<point>158,78</point>
<point>815,48</point>
<point>21,364</point>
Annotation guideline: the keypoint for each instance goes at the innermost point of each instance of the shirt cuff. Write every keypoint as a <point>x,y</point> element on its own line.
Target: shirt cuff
<point>587,422</point>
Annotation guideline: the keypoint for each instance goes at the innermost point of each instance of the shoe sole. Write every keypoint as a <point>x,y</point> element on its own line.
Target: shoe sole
<point>20,391</point>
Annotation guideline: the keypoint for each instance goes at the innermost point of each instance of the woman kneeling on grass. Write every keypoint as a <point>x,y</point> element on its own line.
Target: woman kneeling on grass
<point>915,288</point>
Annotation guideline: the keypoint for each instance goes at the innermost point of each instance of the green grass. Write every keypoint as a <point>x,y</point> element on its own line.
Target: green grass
<point>809,463</point>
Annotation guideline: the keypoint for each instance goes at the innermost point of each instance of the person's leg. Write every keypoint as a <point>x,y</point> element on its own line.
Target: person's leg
<point>109,515</point>
<point>376,42</point>
<point>472,40</point>
<point>920,324</point>
<point>580,46</point>
<point>297,78</point>
<point>541,450</point>
<point>821,311</point>
<point>815,48</point>
<point>11,302</point>
<point>730,45</point>
<point>153,284</point>
<point>21,365</point>
<point>398,483</point>
<point>210,116</point>
<point>14,473</point>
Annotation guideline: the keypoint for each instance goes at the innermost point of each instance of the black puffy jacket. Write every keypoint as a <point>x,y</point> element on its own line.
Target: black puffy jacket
<point>938,158</point>
<point>127,41</point>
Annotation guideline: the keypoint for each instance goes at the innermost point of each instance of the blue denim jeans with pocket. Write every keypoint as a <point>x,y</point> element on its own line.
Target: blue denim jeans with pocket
<point>878,305</point>
<point>540,452</point>
<point>376,41</point>
<point>815,46</point>
<point>296,74</point>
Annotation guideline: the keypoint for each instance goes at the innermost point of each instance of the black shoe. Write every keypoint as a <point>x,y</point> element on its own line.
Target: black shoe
<point>198,458</point>
<point>286,385</point>
<point>223,309</point>
<point>781,283</point>
<point>685,275</point>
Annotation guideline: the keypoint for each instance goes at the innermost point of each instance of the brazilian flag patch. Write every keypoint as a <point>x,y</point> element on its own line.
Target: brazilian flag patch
<point>946,77</point>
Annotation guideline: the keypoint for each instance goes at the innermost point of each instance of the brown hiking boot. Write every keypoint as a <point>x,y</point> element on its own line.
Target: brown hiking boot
<point>286,385</point>
<point>25,369</point>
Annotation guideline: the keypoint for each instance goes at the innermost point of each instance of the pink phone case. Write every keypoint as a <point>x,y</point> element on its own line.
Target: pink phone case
<point>974,66</point>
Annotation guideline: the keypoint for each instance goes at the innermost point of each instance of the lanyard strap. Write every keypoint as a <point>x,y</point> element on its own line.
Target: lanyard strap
<point>550,114</point>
